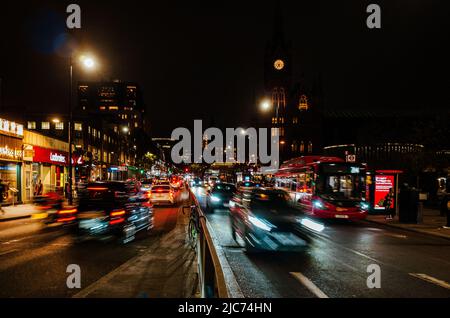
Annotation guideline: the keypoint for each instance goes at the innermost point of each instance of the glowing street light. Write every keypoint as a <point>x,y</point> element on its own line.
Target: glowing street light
<point>88,62</point>
<point>56,120</point>
<point>265,105</point>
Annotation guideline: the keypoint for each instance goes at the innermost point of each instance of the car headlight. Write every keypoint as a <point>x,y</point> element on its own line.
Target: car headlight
<point>215,198</point>
<point>364,206</point>
<point>310,224</point>
<point>262,224</point>
<point>319,205</point>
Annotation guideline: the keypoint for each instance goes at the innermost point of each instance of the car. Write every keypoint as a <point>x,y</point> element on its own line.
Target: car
<point>266,220</point>
<point>162,194</point>
<point>219,196</point>
<point>196,182</point>
<point>248,185</point>
<point>146,184</point>
<point>176,182</point>
<point>112,208</point>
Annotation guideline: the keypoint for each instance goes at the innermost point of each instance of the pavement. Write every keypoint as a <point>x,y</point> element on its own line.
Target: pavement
<point>432,224</point>
<point>16,212</point>
<point>34,260</point>
<point>337,262</point>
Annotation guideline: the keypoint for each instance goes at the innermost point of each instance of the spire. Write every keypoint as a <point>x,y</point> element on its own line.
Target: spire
<point>278,23</point>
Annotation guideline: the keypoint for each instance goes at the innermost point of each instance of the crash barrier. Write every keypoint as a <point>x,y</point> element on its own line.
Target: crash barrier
<point>211,277</point>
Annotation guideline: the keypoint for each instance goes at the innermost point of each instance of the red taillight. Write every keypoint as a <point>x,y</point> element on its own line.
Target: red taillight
<point>116,221</point>
<point>68,211</point>
<point>72,218</point>
<point>116,217</point>
<point>97,188</point>
<point>117,213</point>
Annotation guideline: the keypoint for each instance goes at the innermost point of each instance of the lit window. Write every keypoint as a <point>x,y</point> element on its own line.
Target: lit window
<point>45,125</point>
<point>302,146</point>
<point>135,125</point>
<point>102,107</point>
<point>113,107</point>
<point>303,103</point>
<point>59,126</point>
<point>78,127</point>
<point>31,125</point>
<point>310,147</point>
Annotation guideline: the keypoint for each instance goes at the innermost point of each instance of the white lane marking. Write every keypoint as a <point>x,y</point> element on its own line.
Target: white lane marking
<point>431,279</point>
<point>7,252</point>
<point>309,284</point>
<point>396,235</point>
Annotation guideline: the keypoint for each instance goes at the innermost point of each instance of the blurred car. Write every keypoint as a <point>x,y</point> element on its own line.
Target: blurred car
<point>52,210</point>
<point>219,196</point>
<point>265,220</point>
<point>176,182</point>
<point>161,194</point>
<point>196,182</point>
<point>248,185</point>
<point>112,208</point>
<point>146,184</point>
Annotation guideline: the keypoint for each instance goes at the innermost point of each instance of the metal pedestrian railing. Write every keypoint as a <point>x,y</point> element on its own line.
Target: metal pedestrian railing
<point>211,277</point>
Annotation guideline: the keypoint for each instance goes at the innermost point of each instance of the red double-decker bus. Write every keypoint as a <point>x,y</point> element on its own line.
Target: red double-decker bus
<point>325,187</point>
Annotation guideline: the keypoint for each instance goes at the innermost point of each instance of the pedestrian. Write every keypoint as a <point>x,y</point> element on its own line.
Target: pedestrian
<point>66,190</point>
<point>2,191</point>
<point>40,187</point>
<point>388,204</point>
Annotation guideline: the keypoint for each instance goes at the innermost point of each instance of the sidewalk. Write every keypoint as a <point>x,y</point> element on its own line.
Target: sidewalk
<point>20,211</point>
<point>432,223</point>
<point>167,269</point>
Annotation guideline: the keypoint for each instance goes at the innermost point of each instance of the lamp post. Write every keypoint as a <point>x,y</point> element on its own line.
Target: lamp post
<point>88,63</point>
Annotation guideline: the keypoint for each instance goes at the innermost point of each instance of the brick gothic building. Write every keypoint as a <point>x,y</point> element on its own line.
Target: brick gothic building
<point>295,106</point>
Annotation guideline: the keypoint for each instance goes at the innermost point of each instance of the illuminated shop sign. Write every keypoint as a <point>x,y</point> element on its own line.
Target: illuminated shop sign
<point>52,156</point>
<point>11,128</point>
<point>10,153</point>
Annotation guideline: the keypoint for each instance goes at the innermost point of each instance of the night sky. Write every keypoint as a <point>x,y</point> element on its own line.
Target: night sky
<point>204,60</point>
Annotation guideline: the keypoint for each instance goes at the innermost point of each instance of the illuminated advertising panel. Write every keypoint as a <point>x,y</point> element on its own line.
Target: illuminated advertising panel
<point>382,185</point>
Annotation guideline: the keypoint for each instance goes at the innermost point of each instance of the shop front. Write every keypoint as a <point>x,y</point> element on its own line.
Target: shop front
<point>44,166</point>
<point>11,160</point>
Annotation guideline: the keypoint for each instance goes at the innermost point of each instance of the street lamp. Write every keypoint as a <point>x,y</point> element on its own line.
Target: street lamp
<point>265,105</point>
<point>88,63</point>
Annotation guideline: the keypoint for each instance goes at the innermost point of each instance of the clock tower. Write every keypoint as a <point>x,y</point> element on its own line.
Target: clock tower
<point>278,78</point>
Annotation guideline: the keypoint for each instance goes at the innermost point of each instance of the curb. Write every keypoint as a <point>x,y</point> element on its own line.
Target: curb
<point>15,218</point>
<point>409,229</point>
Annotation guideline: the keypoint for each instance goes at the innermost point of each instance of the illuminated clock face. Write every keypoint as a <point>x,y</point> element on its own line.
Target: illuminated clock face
<point>278,64</point>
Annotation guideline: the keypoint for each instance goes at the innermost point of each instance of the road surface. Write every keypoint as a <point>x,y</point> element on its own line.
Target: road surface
<point>336,261</point>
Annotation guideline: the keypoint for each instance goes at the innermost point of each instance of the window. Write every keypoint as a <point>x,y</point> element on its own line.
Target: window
<point>45,125</point>
<point>135,125</point>
<point>295,120</point>
<point>310,147</point>
<point>31,125</point>
<point>78,127</point>
<point>302,146</point>
<point>59,126</point>
<point>113,107</point>
<point>303,103</point>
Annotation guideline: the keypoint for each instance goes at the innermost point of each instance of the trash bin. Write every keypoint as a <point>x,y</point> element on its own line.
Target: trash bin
<point>408,205</point>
